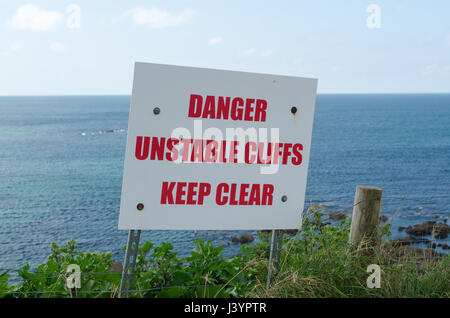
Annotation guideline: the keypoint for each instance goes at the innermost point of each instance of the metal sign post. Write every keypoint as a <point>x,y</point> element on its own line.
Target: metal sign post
<point>129,264</point>
<point>274,258</point>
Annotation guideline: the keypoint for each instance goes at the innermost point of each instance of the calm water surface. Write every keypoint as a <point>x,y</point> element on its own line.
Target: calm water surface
<point>61,161</point>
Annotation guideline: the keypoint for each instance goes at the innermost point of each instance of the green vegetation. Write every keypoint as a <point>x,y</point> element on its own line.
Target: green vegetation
<point>317,262</point>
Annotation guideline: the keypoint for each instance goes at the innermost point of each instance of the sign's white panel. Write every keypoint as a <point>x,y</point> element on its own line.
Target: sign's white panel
<point>213,149</point>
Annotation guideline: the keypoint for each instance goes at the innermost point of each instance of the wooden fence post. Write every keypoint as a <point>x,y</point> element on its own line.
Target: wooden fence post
<point>366,214</point>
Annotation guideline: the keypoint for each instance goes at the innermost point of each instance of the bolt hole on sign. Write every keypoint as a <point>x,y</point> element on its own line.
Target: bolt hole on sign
<point>216,150</point>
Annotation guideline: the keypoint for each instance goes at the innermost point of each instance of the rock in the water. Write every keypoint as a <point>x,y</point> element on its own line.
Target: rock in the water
<point>290,232</point>
<point>408,241</point>
<point>441,230</point>
<point>337,215</point>
<point>383,218</point>
<point>401,228</point>
<point>245,238</point>
<point>434,245</point>
<point>266,233</point>
<point>116,267</point>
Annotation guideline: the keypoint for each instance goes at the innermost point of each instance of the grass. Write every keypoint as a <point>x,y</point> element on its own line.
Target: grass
<point>320,263</point>
<point>317,262</point>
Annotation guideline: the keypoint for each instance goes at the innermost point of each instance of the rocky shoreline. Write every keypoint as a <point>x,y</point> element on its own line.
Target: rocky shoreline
<point>416,233</point>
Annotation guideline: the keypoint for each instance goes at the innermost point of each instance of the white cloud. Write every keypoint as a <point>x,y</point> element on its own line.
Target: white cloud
<point>159,19</point>
<point>268,52</point>
<point>248,52</point>
<point>215,40</point>
<point>58,47</point>
<point>16,45</point>
<point>30,17</point>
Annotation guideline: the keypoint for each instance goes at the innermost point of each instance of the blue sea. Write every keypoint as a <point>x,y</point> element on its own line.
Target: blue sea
<point>61,163</point>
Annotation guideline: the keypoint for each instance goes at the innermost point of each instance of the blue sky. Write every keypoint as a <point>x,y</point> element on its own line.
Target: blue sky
<point>45,51</point>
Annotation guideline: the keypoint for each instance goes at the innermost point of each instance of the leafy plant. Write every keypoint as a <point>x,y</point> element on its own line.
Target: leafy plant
<point>317,262</point>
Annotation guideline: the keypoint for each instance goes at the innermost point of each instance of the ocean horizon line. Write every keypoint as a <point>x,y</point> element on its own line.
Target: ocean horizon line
<point>129,95</point>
